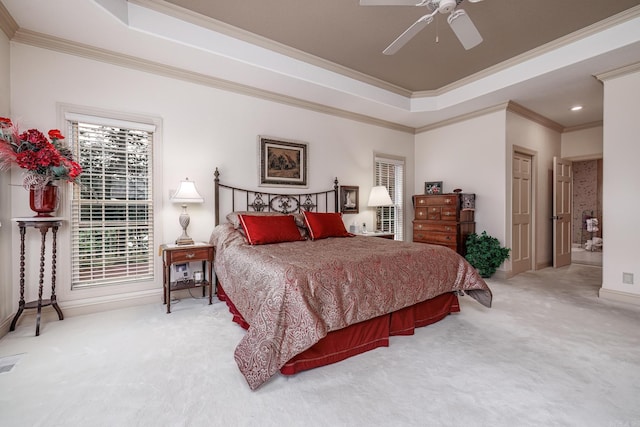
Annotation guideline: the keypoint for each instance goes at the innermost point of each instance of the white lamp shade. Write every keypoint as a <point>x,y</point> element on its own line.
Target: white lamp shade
<point>187,193</point>
<point>379,196</point>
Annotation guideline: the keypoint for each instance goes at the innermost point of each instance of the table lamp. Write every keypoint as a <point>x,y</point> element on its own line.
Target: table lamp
<point>379,197</point>
<point>186,193</point>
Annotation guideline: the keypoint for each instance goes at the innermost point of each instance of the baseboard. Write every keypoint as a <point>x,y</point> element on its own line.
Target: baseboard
<point>87,306</point>
<point>619,296</point>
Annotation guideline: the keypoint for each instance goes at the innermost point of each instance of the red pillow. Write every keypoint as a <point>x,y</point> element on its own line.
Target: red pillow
<point>261,230</point>
<point>322,225</point>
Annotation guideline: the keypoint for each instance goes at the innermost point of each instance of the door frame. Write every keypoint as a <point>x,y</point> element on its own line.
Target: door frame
<point>534,204</point>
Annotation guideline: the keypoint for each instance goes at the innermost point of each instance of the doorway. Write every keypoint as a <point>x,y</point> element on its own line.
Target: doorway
<point>587,241</point>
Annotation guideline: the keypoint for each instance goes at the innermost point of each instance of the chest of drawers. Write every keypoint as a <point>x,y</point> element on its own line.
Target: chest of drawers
<point>439,219</point>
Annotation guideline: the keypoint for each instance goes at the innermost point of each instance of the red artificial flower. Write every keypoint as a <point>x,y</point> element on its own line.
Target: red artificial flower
<point>55,134</point>
<point>5,123</point>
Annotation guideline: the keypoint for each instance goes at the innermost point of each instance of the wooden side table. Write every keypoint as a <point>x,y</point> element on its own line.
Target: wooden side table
<point>43,224</point>
<point>177,254</point>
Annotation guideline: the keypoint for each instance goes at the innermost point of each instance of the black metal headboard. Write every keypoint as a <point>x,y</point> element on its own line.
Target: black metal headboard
<point>240,199</point>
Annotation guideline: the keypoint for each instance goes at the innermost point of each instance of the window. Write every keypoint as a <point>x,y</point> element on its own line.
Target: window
<point>112,219</point>
<point>389,171</point>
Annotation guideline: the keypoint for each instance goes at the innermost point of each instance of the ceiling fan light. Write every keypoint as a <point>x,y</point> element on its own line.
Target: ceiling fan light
<point>464,29</point>
<point>446,6</point>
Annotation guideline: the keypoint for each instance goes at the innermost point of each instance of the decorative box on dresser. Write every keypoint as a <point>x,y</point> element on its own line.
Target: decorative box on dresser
<point>440,219</point>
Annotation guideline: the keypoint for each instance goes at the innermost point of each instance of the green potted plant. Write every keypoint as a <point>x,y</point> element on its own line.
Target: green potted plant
<point>485,253</point>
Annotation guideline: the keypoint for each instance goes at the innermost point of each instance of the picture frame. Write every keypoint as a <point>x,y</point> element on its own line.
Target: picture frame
<point>433,187</point>
<point>283,162</point>
<point>198,276</point>
<point>349,199</point>
<point>181,272</point>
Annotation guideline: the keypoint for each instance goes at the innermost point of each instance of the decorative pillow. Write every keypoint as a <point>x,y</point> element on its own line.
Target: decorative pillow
<point>322,225</point>
<point>234,217</point>
<point>263,229</point>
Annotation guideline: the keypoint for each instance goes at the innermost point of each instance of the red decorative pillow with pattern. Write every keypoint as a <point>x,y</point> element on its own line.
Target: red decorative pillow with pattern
<point>323,225</point>
<point>261,230</point>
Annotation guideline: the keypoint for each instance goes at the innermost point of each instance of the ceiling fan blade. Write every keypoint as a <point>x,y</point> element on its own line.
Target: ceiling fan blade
<point>474,1</point>
<point>389,2</point>
<point>464,29</point>
<point>409,33</point>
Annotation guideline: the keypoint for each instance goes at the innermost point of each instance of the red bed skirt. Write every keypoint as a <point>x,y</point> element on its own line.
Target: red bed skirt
<point>363,336</point>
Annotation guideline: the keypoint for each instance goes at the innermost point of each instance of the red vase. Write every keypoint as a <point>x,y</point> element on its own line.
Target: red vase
<point>44,200</point>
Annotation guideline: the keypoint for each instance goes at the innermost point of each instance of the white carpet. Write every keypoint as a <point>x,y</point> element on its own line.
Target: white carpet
<point>549,353</point>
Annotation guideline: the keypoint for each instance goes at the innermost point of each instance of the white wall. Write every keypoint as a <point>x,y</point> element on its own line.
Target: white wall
<point>6,285</point>
<point>203,127</point>
<point>524,133</point>
<point>621,176</point>
<point>583,144</point>
<point>470,155</point>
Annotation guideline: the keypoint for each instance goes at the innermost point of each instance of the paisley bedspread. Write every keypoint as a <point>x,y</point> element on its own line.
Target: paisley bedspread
<point>292,294</point>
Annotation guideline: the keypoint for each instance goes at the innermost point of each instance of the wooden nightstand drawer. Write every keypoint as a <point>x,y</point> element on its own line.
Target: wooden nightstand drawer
<point>189,255</point>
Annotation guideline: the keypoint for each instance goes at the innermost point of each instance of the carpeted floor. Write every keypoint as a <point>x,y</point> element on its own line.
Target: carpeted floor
<point>549,353</point>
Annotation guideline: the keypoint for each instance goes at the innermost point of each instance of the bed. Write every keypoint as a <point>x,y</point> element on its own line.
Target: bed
<point>309,293</point>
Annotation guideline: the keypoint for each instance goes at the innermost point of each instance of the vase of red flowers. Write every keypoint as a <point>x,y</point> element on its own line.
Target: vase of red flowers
<point>44,160</point>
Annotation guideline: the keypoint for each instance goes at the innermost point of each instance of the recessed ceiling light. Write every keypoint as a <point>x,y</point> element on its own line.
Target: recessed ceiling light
<point>576,108</point>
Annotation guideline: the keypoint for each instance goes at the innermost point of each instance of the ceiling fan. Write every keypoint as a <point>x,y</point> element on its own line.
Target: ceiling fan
<point>458,20</point>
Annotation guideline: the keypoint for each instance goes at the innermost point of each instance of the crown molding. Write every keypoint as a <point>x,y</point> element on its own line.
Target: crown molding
<point>507,106</point>
<point>8,25</point>
<point>36,39</point>
<point>534,117</point>
<point>463,117</point>
<point>200,20</point>
<point>618,72</point>
<point>585,126</point>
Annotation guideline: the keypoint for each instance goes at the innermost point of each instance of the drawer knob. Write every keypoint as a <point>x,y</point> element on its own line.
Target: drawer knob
<point>190,255</point>
<point>421,201</point>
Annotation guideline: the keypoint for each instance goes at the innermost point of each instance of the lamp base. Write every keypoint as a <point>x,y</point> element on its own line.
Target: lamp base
<point>184,241</point>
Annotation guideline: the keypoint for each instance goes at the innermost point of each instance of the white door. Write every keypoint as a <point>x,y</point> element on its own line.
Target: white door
<point>521,242</point>
<point>562,180</point>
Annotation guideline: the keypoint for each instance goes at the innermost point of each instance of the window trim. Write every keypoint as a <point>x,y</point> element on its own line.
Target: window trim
<point>126,290</point>
<point>400,161</point>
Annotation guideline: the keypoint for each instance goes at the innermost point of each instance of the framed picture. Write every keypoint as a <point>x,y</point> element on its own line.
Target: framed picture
<point>181,272</point>
<point>283,162</point>
<point>349,196</point>
<point>434,187</point>
<point>198,276</point>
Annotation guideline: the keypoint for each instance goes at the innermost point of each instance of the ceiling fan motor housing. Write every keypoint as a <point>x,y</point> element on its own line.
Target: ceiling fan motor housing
<point>446,6</point>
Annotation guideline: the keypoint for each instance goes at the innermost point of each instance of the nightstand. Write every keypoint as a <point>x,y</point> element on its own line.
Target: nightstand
<point>173,254</point>
<point>382,234</point>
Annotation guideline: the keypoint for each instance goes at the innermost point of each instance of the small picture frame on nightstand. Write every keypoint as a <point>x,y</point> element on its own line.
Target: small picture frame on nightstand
<point>198,276</point>
<point>181,272</point>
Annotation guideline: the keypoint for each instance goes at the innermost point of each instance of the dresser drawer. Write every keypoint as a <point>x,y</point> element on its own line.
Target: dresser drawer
<point>437,228</point>
<point>436,239</point>
<point>195,254</point>
<point>440,213</point>
<point>443,200</point>
<point>442,238</point>
<point>421,213</point>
